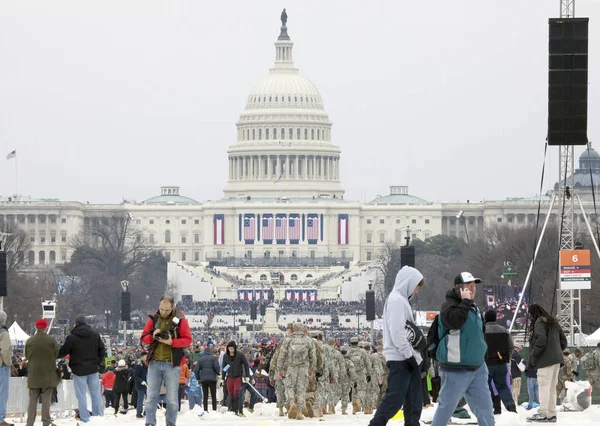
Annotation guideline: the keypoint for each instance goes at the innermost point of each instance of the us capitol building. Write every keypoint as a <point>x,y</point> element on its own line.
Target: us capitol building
<point>283,213</point>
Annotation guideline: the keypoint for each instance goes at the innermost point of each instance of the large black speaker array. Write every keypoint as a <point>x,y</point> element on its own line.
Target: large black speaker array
<point>407,256</point>
<point>125,306</point>
<point>370,302</point>
<point>253,311</point>
<point>3,275</point>
<point>568,81</point>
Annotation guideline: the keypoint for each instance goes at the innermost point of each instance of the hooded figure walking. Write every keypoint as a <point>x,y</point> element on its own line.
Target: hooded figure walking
<point>403,360</point>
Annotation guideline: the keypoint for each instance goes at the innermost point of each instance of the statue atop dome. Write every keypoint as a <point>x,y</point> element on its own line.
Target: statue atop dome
<point>283,35</point>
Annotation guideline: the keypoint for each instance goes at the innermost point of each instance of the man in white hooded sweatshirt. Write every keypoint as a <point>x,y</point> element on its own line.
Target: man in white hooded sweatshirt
<point>403,361</point>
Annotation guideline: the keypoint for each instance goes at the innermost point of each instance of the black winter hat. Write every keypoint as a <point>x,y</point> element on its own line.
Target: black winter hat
<point>80,320</point>
<point>490,316</point>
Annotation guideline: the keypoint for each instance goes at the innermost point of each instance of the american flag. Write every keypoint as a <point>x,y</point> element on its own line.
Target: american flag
<point>219,229</point>
<point>312,228</point>
<point>249,228</point>
<point>280,225</point>
<point>294,225</point>
<point>343,229</point>
<point>267,227</point>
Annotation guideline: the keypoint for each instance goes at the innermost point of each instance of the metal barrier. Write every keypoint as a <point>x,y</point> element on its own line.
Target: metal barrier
<point>18,396</point>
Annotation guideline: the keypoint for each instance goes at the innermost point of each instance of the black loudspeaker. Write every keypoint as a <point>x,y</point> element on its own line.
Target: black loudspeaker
<point>253,311</point>
<point>568,81</point>
<point>125,306</point>
<point>370,301</point>
<point>263,309</point>
<point>3,275</point>
<point>407,256</point>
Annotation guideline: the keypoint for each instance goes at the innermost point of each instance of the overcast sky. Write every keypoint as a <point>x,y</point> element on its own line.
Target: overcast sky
<point>108,100</point>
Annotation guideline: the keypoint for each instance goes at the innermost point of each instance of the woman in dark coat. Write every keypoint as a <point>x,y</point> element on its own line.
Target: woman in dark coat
<point>206,371</point>
<point>546,344</point>
<point>121,386</point>
<point>235,368</point>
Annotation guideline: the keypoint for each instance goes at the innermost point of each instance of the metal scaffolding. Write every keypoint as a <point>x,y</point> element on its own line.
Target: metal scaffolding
<point>568,301</point>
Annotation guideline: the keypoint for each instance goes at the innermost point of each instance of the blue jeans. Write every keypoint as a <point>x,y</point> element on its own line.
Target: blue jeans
<point>139,407</point>
<point>82,384</point>
<point>473,385</point>
<point>243,390</point>
<point>195,398</point>
<point>499,374</point>
<point>533,391</point>
<point>404,391</point>
<point>159,372</point>
<point>4,379</point>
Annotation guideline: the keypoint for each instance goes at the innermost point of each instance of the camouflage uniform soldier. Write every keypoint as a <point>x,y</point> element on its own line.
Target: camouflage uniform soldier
<point>373,385</point>
<point>565,373</point>
<point>383,363</point>
<point>312,380</point>
<point>324,379</point>
<point>348,380</point>
<point>363,370</point>
<point>275,380</point>
<point>335,388</point>
<point>592,367</point>
<point>295,365</point>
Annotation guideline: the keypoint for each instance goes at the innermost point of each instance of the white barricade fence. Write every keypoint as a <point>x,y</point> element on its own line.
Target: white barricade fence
<point>18,397</point>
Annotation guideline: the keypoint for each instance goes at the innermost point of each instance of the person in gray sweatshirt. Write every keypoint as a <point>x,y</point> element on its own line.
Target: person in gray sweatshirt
<point>403,360</point>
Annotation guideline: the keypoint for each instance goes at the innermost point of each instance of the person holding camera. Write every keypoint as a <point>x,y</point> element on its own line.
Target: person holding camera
<point>167,333</point>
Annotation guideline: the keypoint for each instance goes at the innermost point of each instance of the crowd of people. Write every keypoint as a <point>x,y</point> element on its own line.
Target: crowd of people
<point>285,307</point>
<point>303,373</point>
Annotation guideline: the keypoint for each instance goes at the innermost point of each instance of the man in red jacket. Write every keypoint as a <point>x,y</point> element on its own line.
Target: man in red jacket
<point>168,334</point>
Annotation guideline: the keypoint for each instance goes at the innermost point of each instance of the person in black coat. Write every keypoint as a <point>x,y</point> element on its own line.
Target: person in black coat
<point>235,369</point>
<point>206,371</point>
<point>546,344</point>
<point>87,352</point>
<point>140,374</point>
<point>120,388</point>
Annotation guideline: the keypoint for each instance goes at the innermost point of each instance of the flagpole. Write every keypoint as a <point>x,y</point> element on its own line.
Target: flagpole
<point>16,179</point>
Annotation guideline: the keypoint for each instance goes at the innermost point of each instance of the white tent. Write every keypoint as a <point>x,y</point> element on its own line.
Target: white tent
<point>594,338</point>
<point>17,335</point>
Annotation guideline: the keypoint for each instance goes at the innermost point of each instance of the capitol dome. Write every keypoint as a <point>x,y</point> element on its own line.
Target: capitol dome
<point>285,90</point>
<point>284,137</point>
<point>587,176</point>
<point>170,195</point>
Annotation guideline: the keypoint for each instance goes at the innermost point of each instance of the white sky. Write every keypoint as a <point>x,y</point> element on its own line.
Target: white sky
<point>107,100</point>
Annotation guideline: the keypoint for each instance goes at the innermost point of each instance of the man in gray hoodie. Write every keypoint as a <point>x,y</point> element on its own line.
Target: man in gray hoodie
<point>403,361</point>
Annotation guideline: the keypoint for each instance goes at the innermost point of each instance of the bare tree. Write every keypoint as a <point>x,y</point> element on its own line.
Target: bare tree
<point>113,249</point>
<point>386,267</point>
<point>15,241</point>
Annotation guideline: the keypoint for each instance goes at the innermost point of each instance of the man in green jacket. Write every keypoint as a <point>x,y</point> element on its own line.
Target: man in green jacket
<point>41,352</point>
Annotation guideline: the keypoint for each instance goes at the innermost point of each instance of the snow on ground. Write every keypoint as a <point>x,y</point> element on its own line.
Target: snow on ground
<point>266,415</point>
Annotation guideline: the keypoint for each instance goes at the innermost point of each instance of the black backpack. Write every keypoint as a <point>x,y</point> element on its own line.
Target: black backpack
<point>433,338</point>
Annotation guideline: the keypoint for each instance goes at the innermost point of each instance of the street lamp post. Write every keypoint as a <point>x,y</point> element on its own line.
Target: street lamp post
<point>358,313</point>
<point>125,287</point>
<point>106,315</point>
<point>235,312</point>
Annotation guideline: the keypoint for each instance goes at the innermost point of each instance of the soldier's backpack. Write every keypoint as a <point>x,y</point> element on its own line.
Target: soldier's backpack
<point>298,350</point>
<point>357,359</point>
<point>588,361</point>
